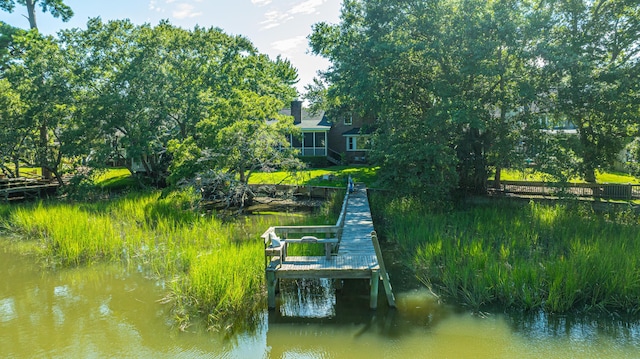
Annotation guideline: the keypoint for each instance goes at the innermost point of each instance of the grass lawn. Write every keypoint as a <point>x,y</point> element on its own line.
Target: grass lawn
<point>532,175</point>
<point>114,178</point>
<point>616,177</point>
<point>337,177</point>
<point>29,172</point>
<point>325,177</point>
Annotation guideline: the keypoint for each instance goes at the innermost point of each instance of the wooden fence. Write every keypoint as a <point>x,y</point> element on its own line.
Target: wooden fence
<point>619,191</point>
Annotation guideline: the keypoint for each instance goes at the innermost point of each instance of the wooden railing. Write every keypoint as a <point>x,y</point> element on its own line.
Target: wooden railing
<point>21,188</point>
<point>334,157</point>
<point>277,238</point>
<point>592,190</point>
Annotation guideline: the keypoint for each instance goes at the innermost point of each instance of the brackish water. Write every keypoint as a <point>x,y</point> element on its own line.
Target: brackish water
<point>109,311</point>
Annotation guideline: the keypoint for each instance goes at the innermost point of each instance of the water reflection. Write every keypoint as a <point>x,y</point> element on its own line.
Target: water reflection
<point>100,311</point>
<point>7,310</point>
<point>110,311</point>
<point>595,335</point>
<point>307,298</point>
<point>421,327</point>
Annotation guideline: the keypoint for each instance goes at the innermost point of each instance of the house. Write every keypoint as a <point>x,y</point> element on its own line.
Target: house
<point>350,137</point>
<point>314,128</point>
<point>341,140</point>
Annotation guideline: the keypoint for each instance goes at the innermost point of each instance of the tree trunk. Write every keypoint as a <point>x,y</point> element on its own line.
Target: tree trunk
<point>31,11</point>
<point>588,153</point>
<point>496,181</point>
<point>479,164</point>
<point>44,141</point>
<point>145,164</point>
<point>590,175</point>
<point>17,169</point>
<point>58,178</point>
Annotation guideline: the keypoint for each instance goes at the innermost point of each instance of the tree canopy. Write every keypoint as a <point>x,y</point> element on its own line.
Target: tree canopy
<point>460,87</point>
<point>119,93</point>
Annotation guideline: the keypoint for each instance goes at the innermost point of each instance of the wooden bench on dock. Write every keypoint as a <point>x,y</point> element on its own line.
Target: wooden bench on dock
<point>276,239</point>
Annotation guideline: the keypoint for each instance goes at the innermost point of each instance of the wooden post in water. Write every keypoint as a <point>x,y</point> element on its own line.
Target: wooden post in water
<point>373,298</point>
<point>383,271</point>
<point>272,282</point>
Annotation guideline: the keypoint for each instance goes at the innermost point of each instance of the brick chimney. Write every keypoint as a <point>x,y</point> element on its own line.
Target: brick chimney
<point>296,111</point>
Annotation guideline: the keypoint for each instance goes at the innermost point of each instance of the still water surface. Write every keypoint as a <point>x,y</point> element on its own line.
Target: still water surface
<point>111,312</point>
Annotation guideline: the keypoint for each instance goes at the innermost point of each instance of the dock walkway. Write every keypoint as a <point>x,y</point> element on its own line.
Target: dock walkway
<point>12,189</point>
<point>358,255</point>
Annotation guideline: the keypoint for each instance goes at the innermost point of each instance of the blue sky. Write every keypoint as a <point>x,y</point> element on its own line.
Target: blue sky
<point>276,27</point>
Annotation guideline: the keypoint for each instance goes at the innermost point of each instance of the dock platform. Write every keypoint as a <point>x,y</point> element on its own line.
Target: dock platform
<point>354,254</point>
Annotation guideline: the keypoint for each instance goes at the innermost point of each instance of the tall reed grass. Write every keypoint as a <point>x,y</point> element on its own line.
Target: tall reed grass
<point>558,257</point>
<point>213,269</point>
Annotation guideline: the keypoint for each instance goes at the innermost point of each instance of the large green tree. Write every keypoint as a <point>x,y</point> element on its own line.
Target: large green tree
<point>40,74</point>
<point>460,87</point>
<point>445,79</point>
<point>232,143</point>
<point>57,8</point>
<point>590,74</point>
<point>12,134</point>
<point>121,93</point>
<point>144,86</point>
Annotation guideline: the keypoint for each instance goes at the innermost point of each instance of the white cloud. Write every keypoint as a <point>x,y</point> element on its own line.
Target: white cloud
<point>274,19</point>
<point>307,7</point>
<point>261,2</point>
<point>153,5</point>
<point>289,44</point>
<point>184,11</point>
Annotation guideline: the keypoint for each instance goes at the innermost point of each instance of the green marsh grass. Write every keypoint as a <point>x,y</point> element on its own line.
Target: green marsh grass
<point>213,269</point>
<point>559,257</point>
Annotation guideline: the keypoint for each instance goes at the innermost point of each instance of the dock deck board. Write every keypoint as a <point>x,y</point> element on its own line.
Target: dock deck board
<point>356,257</point>
<point>341,266</point>
<point>356,251</point>
<point>358,225</point>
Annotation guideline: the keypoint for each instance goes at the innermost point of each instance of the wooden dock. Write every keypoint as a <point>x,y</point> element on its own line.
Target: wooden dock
<point>13,189</point>
<point>351,250</point>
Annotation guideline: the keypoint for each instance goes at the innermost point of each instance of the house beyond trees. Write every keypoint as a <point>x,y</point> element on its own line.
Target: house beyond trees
<point>339,140</point>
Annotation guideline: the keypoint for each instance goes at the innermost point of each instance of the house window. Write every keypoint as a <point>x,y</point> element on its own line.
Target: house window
<point>358,143</point>
<point>351,143</point>
<point>348,120</point>
<point>312,144</point>
<point>320,139</point>
<point>308,139</point>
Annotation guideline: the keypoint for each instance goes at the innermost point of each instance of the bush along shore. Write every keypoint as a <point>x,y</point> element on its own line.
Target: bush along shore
<point>554,257</point>
<point>213,269</point>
